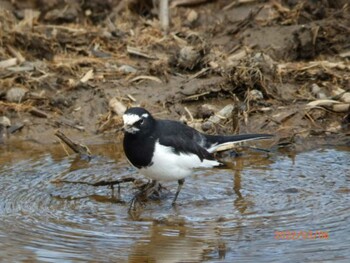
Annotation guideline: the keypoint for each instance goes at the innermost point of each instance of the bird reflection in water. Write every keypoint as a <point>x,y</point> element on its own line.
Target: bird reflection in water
<point>172,242</point>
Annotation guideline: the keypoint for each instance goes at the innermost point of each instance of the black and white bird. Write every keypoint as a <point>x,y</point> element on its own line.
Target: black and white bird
<point>166,150</point>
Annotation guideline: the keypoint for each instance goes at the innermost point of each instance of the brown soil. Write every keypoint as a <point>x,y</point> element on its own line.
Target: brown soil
<point>62,62</point>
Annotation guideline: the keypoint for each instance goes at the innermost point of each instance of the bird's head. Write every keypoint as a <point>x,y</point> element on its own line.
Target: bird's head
<point>137,121</point>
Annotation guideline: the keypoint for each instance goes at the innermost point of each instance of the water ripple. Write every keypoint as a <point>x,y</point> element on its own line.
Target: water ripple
<point>222,215</point>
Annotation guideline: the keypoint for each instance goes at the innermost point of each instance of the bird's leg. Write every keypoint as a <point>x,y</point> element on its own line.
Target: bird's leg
<point>153,188</point>
<point>143,194</point>
<point>149,189</point>
<point>179,186</point>
<point>157,190</point>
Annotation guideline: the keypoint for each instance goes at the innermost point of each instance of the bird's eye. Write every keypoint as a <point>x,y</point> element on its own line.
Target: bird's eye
<point>139,122</point>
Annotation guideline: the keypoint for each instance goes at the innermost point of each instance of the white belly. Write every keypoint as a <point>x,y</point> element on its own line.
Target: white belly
<point>168,166</point>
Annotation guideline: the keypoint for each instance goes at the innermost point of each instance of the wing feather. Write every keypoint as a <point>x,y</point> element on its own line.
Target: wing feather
<point>182,139</point>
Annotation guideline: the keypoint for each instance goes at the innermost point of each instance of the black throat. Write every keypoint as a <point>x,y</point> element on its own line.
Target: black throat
<point>139,149</point>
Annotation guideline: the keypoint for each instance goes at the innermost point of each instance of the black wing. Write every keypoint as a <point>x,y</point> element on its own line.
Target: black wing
<point>182,139</point>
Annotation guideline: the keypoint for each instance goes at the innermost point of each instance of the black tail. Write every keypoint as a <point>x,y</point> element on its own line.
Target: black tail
<point>212,139</point>
<point>215,141</point>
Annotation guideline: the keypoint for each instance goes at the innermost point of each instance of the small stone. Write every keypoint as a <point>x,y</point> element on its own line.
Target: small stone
<point>265,62</point>
<point>318,92</point>
<point>255,95</point>
<point>16,94</point>
<point>60,101</point>
<point>192,16</point>
<point>224,113</point>
<point>4,121</point>
<point>206,126</point>
<point>188,58</point>
<point>205,111</point>
<point>4,124</point>
<point>127,69</point>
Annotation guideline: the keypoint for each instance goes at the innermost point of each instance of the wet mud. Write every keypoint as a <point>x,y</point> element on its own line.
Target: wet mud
<point>284,65</point>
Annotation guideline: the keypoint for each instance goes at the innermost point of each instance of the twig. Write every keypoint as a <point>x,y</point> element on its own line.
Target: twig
<point>146,77</point>
<point>187,2</point>
<point>87,76</point>
<point>131,97</point>
<point>198,74</point>
<point>164,15</point>
<point>38,113</point>
<point>237,2</point>
<point>243,24</point>
<point>99,183</point>
<point>76,147</point>
<point>196,96</point>
<point>137,52</point>
<point>64,147</point>
<point>70,124</point>
<point>70,29</point>
<point>17,54</point>
<point>189,114</point>
<point>8,62</point>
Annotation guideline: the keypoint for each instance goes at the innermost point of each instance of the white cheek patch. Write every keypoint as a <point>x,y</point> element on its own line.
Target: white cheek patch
<point>130,119</point>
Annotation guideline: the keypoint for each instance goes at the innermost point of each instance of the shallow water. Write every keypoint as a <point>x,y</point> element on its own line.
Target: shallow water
<point>239,214</point>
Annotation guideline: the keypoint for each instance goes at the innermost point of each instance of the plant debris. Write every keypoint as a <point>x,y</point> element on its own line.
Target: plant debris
<point>283,66</point>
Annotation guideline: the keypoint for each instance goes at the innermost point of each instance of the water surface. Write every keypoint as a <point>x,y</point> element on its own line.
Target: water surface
<point>236,214</point>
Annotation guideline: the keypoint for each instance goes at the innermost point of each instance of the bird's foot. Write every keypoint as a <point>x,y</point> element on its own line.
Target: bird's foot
<point>156,191</point>
<point>136,202</point>
<point>148,190</point>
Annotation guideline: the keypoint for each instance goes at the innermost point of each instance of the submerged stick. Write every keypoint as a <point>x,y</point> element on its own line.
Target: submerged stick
<point>100,183</point>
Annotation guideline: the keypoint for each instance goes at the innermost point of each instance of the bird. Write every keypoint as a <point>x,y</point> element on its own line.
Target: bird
<point>169,150</point>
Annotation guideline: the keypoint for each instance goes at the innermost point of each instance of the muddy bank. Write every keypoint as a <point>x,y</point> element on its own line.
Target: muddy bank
<point>282,65</point>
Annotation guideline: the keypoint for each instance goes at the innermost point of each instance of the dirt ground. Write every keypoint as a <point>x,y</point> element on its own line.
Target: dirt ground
<point>278,67</point>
